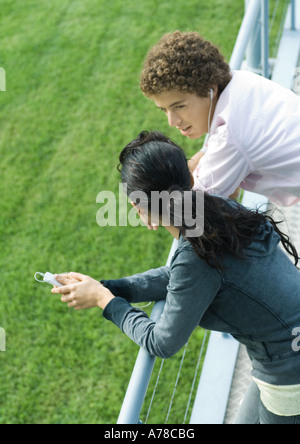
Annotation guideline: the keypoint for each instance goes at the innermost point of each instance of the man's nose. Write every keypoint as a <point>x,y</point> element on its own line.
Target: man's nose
<point>173,118</point>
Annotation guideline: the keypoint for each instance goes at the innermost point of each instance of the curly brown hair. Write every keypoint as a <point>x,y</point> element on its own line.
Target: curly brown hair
<point>184,62</point>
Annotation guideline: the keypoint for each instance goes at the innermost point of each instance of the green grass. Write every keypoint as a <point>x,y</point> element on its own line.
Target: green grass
<point>72,103</point>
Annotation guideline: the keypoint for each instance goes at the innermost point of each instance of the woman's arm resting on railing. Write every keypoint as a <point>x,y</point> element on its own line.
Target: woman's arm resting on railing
<point>189,287</point>
<point>145,287</point>
<point>192,288</point>
<point>84,293</point>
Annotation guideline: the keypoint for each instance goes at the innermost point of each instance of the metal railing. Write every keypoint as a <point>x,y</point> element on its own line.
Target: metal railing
<point>293,15</point>
<point>252,38</point>
<point>252,42</point>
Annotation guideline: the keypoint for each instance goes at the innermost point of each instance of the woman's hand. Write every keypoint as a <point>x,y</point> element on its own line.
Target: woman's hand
<point>83,291</point>
<point>66,279</point>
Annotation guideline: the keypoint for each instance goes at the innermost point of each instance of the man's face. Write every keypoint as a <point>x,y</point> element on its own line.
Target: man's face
<point>189,113</point>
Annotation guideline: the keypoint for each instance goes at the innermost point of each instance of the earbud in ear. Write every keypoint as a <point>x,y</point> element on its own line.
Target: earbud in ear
<point>211,94</point>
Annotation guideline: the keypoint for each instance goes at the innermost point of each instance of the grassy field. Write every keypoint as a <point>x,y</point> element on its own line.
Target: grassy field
<point>72,103</point>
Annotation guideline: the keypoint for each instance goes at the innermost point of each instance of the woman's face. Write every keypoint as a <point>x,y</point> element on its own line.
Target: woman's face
<point>189,113</point>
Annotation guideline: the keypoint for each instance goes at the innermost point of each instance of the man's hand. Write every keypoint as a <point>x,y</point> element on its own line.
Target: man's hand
<point>194,161</point>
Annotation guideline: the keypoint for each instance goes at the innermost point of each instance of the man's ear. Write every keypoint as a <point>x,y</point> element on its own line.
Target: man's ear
<point>215,89</point>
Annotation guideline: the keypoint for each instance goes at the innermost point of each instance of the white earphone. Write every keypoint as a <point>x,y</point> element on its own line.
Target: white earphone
<point>210,110</point>
<point>209,129</point>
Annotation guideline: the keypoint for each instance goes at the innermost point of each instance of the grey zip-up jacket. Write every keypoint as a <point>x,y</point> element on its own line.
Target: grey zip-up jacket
<point>256,300</point>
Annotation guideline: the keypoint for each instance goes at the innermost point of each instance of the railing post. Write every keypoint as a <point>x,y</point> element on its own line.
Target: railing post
<point>293,15</point>
<point>253,52</point>
<point>265,37</point>
<point>242,41</point>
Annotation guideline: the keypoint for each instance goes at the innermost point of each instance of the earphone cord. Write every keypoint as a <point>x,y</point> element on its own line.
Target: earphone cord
<point>210,110</point>
<point>209,129</point>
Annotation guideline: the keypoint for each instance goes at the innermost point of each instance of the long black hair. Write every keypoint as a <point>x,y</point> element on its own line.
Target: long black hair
<point>152,162</point>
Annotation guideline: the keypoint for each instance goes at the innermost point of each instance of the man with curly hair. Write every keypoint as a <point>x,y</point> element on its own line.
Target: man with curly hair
<point>253,123</point>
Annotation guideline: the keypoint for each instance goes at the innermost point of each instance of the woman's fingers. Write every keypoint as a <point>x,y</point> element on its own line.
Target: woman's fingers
<point>66,279</point>
<point>67,298</point>
<point>152,227</point>
<point>66,289</point>
<point>80,277</point>
<point>85,293</point>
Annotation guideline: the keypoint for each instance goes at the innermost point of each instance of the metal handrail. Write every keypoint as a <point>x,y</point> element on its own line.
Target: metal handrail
<point>293,15</point>
<point>256,11</point>
<point>247,27</point>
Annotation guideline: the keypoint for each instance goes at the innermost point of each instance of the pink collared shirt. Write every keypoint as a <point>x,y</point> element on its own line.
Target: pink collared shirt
<point>254,141</point>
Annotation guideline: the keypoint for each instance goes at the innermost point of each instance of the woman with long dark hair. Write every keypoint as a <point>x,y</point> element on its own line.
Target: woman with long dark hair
<point>233,278</point>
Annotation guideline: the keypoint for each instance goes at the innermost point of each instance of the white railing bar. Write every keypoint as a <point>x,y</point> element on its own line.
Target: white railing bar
<point>248,24</point>
<point>293,15</point>
<point>265,43</point>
